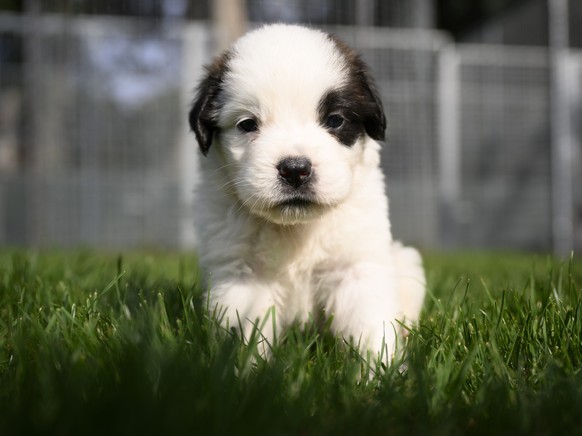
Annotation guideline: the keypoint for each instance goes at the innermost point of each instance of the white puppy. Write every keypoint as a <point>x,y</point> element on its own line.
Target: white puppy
<point>292,213</point>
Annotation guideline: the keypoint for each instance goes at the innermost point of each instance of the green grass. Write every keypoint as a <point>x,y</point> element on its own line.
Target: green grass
<point>93,343</point>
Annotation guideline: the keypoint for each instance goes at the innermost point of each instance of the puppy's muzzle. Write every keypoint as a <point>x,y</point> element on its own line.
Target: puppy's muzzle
<point>295,171</point>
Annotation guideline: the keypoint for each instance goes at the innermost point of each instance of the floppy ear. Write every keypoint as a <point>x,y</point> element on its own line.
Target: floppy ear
<point>367,96</point>
<point>374,119</point>
<point>203,116</point>
<point>372,110</point>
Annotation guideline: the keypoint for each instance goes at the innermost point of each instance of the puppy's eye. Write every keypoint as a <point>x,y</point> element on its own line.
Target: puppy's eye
<point>248,125</point>
<point>334,121</point>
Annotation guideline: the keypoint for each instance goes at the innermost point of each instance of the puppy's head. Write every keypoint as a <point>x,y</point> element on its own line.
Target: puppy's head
<point>288,112</point>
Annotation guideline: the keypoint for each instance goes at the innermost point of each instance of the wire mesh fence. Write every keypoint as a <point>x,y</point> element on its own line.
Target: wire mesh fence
<point>95,149</point>
<point>505,151</point>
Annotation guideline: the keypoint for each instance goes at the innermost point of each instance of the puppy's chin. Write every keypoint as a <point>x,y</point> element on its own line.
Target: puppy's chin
<point>292,211</point>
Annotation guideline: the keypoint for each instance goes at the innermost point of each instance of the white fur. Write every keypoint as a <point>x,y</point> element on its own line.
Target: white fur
<point>339,256</point>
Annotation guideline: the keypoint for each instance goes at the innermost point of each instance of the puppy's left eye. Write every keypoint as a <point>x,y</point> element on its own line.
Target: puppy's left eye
<point>248,125</point>
<point>334,121</point>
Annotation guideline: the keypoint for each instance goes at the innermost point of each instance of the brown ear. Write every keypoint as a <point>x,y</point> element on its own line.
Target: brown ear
<point>203,115</point>
<point>375,120</point>
<point>371,108</point>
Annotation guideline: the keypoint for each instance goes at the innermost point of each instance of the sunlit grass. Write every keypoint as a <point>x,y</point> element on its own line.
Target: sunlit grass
<point>94,343</point>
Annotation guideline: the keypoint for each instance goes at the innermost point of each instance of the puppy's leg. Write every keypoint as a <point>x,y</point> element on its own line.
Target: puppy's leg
<point>411,281</point>
<point>365,306</point>
<point>246,307</point>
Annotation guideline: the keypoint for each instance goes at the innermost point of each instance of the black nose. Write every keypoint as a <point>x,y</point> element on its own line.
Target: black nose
<point>295,171</point>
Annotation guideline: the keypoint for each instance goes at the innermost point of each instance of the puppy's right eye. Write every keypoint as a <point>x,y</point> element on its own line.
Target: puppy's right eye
<point>248,125</point>
<point>334,121</point>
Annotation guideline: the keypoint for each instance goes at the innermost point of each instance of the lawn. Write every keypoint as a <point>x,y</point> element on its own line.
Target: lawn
<point>97,343</point>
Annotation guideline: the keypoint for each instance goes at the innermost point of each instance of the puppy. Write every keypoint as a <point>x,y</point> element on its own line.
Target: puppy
<point>292,215</point>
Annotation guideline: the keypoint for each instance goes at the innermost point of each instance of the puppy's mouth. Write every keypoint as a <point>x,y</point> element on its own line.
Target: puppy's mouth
<point>296,209</point>
<point>297,202</point>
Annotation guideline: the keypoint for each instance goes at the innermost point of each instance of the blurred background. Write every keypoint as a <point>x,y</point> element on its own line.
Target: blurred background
<point>483,100</point>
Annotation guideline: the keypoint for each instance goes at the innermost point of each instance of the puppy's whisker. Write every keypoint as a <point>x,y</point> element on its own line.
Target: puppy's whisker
<point>259,203</point>
<point>227,168</point>
<point>231,185</point>
<point>255,198</point>
<point>227,165</point>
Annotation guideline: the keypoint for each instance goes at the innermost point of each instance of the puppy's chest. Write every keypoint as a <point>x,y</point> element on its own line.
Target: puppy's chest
<point>281,252</point>
<point>294,262</point>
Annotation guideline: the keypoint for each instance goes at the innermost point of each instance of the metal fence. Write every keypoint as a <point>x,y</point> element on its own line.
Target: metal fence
<point>95,150</point>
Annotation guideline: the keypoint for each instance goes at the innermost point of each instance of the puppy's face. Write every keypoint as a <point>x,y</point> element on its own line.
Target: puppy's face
<point>287,111</point>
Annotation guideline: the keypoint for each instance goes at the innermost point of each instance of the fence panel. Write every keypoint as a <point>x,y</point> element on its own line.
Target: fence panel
<point>505,154</point>
<point>98,160</point>
<point>95,150</point>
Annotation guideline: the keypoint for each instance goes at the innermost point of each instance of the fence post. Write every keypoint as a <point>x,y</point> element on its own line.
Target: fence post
<point>449,150</point>
<point>365,13</point>
<point>229,19</point>
<point>28,150</point>
<point>561,130</point>
<point>195,54</point>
